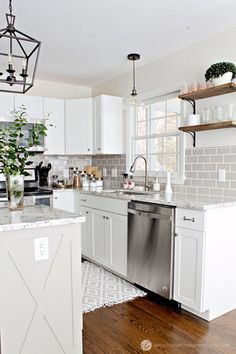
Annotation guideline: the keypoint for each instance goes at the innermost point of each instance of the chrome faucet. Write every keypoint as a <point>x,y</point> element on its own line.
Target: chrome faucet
<point>132,169</point>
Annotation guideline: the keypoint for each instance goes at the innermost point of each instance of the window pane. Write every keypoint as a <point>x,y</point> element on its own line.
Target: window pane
<point>156,145</point>
<point>141,128</point>
<point>158,109</point>
<point>141,113</point>
<point>140,147</point>
<point>158,126</point>
<point>171,123</point>
<point>156,162</point>
<point>170,144</point>
<point>173,106</point>
<point>170,163</point>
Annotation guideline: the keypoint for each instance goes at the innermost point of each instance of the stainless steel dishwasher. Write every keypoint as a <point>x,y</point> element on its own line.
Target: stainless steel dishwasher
<point>150,246</point>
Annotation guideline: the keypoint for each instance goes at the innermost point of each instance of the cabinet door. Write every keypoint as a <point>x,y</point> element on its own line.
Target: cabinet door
<point>33,105</point>
<point>188,268</point>
<point>97,125</point>
<point>107,115</point>
<point>6,105</point>
<point>117,226</point>
<point>100,238</point>
<point>111,111</point>
<point>87,230</point>
<point>79,126</point>
<point>64,200</point>
<point>55,139</point>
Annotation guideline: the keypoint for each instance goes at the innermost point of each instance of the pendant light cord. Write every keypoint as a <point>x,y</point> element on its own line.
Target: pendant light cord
<point>10,6</point>
<point>134,75</point>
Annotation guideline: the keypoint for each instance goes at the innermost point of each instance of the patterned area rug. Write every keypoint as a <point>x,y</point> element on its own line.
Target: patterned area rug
<point>102,288</point>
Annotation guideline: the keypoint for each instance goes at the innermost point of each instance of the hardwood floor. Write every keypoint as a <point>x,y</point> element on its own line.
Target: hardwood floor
<point>120,329</point>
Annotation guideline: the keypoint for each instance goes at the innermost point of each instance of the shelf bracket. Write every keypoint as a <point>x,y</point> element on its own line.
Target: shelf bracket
<point>193,104</point>
<point>193,135</point>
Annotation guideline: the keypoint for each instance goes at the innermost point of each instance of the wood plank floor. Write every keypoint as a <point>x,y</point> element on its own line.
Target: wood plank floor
<point>120,329</point>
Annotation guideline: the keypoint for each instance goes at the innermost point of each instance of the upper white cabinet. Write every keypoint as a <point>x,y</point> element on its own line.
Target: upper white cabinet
<point>78,126</point>
<point>6,105</point>
<point>55,139</point>
<point>33,105</point>
<point>107,120</point>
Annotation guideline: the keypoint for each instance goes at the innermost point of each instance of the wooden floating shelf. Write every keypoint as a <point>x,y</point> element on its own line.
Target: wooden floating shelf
<point>209,126</point>
<point>209,92</point>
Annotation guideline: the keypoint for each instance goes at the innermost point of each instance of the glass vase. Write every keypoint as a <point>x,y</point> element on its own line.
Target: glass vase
<point>15,192</point>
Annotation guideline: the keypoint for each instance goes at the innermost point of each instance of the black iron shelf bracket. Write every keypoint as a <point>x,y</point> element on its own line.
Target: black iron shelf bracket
<point>193,104</point>
<point>193,135</point>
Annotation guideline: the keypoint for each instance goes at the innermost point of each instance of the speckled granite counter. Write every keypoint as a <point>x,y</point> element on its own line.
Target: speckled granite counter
<point>36,216</point>
<point>180,200</point>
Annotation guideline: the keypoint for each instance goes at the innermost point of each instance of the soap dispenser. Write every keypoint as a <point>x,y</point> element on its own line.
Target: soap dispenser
<point>156,185</point>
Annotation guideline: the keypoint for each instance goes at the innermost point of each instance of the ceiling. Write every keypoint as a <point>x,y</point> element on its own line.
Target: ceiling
<point>86,42</point>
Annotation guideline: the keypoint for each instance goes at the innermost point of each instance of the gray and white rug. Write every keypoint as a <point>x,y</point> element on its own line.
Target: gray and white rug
<point>102,288</point>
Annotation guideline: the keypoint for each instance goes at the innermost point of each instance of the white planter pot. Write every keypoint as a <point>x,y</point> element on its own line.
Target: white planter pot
<point>193,119</point>
<point>224,79</point>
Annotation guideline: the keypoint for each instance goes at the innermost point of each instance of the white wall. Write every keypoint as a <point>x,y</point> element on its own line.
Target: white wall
<point>58,90</point>
<point>187,65</point>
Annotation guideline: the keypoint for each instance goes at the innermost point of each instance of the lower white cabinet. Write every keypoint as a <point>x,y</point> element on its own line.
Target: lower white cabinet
<point>87,230</point>
<point>189,266</point>
<point>64,200</point>
<point>104,239</point>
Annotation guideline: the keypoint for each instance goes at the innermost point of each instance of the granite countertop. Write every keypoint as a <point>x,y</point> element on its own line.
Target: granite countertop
<point>36,216</point>
<point>180,200</point>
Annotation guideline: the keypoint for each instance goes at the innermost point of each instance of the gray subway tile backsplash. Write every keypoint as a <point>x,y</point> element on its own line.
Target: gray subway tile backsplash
<point>201,169</point>
<point>203,172</point>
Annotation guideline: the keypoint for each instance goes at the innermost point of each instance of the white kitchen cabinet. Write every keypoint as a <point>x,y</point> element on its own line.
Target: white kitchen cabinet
<point>107,118</point>
<point>104,234</point>
<point>87,230</point>
<point>101,238</point>
<point>6,106</point>
<point>118,243</point>
<point>78,126</point>
<point>64,200</point>
<point>33,105</point>
<point>55,139</point>
<point>189,268</point>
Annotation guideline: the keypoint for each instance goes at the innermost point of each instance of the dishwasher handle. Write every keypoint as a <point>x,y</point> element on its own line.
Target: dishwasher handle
<point>150,215</point>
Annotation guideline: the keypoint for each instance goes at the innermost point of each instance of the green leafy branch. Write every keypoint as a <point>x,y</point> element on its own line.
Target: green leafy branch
<point>14,157</point>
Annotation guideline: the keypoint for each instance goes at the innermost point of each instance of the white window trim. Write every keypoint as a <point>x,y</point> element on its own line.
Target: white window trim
<point>130,116</point>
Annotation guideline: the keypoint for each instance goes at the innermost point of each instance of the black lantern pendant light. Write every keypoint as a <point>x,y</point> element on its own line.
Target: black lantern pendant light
<point>18,57</point>
<point>133,57</point>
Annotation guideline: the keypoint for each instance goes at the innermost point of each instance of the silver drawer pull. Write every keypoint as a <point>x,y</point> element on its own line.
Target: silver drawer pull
<point>189,219</point>
<point>83,200</point>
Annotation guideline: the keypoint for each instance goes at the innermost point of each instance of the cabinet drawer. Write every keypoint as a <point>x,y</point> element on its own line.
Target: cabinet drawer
<point>190,219</point>
<point>111,205</point>
<point>84,200</point>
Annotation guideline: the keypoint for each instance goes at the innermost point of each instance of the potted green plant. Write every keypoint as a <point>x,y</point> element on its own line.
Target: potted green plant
<point>221,73</point>
<point>14,156</point>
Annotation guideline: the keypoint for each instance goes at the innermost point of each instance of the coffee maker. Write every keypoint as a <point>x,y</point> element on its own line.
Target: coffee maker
<point>43,173</point>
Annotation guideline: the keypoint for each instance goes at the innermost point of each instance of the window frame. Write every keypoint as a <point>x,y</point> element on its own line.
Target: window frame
<point>131,120</point>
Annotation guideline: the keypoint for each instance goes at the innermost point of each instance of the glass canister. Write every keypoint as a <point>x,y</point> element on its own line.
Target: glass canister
<point>77,180</point>
<point>85,180</point>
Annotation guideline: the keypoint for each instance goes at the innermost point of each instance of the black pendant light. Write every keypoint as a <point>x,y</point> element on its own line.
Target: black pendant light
<point>18,57</point>
<point>133,57</point>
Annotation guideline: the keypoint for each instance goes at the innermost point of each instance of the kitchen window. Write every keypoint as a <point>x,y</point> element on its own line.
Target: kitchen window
<point>154,134</point>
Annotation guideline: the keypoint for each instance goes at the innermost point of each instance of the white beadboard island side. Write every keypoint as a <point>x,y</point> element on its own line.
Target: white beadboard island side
<point>40,299</point>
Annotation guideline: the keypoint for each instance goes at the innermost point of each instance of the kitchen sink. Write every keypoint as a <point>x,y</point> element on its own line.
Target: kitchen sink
<point>132,192</point>
<point>128,192</point>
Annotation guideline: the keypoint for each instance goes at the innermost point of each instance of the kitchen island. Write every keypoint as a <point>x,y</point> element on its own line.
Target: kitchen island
<point>40,276</point>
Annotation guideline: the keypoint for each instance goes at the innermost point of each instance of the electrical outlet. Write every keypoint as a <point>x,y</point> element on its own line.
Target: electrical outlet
<point>114,172</point>
<point>221,175</point>
<point>41,251</point>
